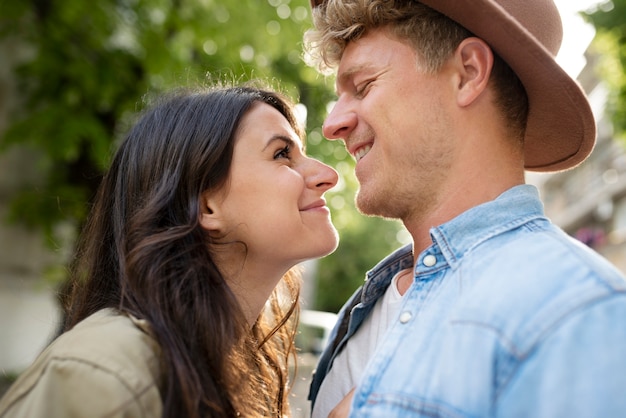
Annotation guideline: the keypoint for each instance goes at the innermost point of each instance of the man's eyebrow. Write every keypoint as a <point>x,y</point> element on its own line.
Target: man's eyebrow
<point>347,75</point>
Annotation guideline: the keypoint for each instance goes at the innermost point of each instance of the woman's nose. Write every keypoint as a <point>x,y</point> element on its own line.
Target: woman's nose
<point>321,176</point>
<point>340,122</point>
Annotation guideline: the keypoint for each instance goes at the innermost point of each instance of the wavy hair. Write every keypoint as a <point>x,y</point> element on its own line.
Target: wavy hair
<point>144,253</point>
<point>433,36</point>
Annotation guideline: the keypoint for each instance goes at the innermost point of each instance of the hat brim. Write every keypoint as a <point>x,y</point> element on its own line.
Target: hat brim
<point>561,130</point>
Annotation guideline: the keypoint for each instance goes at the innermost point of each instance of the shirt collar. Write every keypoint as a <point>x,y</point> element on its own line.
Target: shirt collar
<point>454,238</point>
<point>508,211</point>
<point>377,279</point>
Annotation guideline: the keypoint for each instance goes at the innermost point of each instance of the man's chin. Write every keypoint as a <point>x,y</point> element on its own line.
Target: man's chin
<point>369,207</point>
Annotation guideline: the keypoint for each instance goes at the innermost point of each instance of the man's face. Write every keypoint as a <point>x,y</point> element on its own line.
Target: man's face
<point>393,119</point>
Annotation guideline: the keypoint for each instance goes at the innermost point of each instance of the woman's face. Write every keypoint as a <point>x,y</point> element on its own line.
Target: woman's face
<point>273,201</point>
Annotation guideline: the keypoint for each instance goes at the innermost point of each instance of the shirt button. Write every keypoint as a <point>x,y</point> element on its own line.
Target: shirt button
<point>405,317</point>
<point>430,260</point>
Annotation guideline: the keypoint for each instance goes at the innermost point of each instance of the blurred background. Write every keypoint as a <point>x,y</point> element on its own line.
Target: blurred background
<point>73,74</point>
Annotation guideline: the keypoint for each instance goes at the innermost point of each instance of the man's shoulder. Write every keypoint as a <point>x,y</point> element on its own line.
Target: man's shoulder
<point>544,255</point>
<point>526,286</point>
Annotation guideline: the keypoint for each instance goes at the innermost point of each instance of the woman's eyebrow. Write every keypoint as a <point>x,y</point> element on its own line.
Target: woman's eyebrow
<point>287,140</point>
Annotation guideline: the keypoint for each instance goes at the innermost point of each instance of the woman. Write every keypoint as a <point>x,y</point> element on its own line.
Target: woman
<point>183,299</point>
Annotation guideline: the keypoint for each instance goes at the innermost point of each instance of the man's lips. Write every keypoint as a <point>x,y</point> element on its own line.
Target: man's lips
<point>362,152</point>
<point>359,150</point>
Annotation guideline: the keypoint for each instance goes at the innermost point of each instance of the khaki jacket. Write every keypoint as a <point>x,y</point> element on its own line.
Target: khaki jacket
<point>106,366</point>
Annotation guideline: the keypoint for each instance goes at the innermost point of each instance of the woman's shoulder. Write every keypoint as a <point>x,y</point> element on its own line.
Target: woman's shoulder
<point>108,363</point>
<point>108,334</point>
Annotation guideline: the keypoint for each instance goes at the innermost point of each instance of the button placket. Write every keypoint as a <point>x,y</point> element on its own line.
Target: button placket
<point>428,261</point>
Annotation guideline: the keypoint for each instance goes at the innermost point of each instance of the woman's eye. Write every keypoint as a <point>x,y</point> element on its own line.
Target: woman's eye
<point>283,153</point>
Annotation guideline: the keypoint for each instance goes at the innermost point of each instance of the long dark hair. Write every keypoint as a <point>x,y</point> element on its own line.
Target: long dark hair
<point>144,253</point>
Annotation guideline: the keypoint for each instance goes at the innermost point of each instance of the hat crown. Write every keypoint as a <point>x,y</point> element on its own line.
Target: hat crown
<point>539,17</point>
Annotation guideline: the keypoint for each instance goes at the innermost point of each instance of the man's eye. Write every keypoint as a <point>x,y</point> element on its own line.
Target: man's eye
<point>362,88</point>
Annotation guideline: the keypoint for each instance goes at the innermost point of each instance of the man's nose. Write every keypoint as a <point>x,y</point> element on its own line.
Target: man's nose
<point>340,122</point>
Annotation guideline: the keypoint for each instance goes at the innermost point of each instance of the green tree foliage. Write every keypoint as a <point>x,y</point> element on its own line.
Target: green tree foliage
<point>609,19</point>
<point>88,64</point>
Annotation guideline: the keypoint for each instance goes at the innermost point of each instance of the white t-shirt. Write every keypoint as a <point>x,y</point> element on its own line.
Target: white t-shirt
<point>349,365</point>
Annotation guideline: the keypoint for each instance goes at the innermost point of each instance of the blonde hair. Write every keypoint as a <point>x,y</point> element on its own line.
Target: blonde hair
<point>339,22</point>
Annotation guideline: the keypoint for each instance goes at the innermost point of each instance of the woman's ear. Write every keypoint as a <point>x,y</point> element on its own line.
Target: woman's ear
<point>475,61</point>
<point>210,214</point>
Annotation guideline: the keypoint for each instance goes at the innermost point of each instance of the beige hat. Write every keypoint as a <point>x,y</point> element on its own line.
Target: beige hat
<point>527,34</point>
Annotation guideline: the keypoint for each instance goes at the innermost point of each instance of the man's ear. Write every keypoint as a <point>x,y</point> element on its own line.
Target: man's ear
<point>210,212</point>
<point>474,59</point>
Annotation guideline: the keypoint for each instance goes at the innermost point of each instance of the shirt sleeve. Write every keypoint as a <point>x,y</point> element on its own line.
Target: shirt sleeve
<point>73,388</point>
<point>578,370</point>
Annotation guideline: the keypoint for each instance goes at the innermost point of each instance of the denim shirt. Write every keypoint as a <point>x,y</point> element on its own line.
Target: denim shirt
<point>356,309</point>
<point>507,317</point>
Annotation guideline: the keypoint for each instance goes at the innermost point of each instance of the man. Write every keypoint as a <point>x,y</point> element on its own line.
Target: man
<point>493,310</point>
